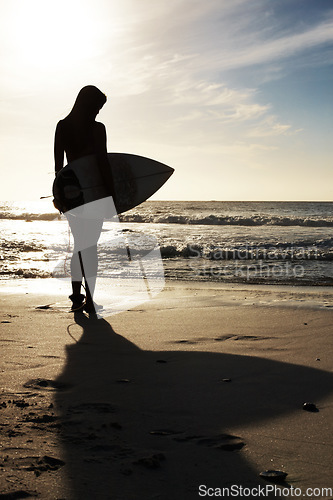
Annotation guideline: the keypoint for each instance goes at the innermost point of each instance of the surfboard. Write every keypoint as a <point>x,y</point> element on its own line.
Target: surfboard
<point>136,178</point>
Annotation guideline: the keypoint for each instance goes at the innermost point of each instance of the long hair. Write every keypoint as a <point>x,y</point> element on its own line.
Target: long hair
<point>88,103</point>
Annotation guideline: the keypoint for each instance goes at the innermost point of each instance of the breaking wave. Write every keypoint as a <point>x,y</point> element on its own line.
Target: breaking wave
<point>220,220</point>
<point>323,251</point>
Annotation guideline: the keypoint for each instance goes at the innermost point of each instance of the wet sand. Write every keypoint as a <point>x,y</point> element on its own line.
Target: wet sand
<point>203,385</point>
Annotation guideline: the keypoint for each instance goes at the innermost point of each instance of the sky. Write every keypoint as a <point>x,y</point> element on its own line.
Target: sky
<point>235,95</point>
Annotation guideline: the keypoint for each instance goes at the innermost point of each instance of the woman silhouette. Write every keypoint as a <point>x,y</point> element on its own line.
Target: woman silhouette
<point>79,135</point>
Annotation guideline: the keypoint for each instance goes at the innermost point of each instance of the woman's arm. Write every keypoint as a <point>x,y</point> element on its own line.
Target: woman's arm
<point>59,149</point>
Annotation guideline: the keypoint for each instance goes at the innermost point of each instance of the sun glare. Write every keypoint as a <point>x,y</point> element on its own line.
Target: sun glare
<point>49,34</point>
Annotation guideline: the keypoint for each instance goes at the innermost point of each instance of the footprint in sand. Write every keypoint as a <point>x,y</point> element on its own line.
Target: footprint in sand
<point>240,337</point>
<point>46,384</point>
<point>185,342</point>
<point>164,432</point>
<point>226,442</point>
<point>14,495</point>
<point>92,407</point>
<point>34,463</point>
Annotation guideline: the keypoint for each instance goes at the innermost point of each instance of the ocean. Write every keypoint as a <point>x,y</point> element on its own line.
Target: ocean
<point>220,241</point>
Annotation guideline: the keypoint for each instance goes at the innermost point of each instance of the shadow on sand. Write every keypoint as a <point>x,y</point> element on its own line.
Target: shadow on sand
<point>143,424</point>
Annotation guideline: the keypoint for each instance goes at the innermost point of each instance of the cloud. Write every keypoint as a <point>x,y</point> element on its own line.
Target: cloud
<point>179,60</point>
<point>226,35</point>
<point>166,91</point>
<point>270,127</point>
<point>267,51</point>
<point>217,101</point>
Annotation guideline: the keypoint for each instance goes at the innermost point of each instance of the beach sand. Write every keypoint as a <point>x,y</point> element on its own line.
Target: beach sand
<point>203,385</point>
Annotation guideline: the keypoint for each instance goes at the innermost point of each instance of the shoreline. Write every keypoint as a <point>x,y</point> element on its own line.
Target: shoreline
<point>210,377</point>
<point>319,296</point>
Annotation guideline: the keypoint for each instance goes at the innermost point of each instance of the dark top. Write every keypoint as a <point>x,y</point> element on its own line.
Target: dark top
<point>82,139</point>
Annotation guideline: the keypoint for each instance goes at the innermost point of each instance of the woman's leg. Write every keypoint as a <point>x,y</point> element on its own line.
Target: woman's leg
<point>77,297</point>
<point>76,274</point>
<point>89,261</point>
<point>84,262</point>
